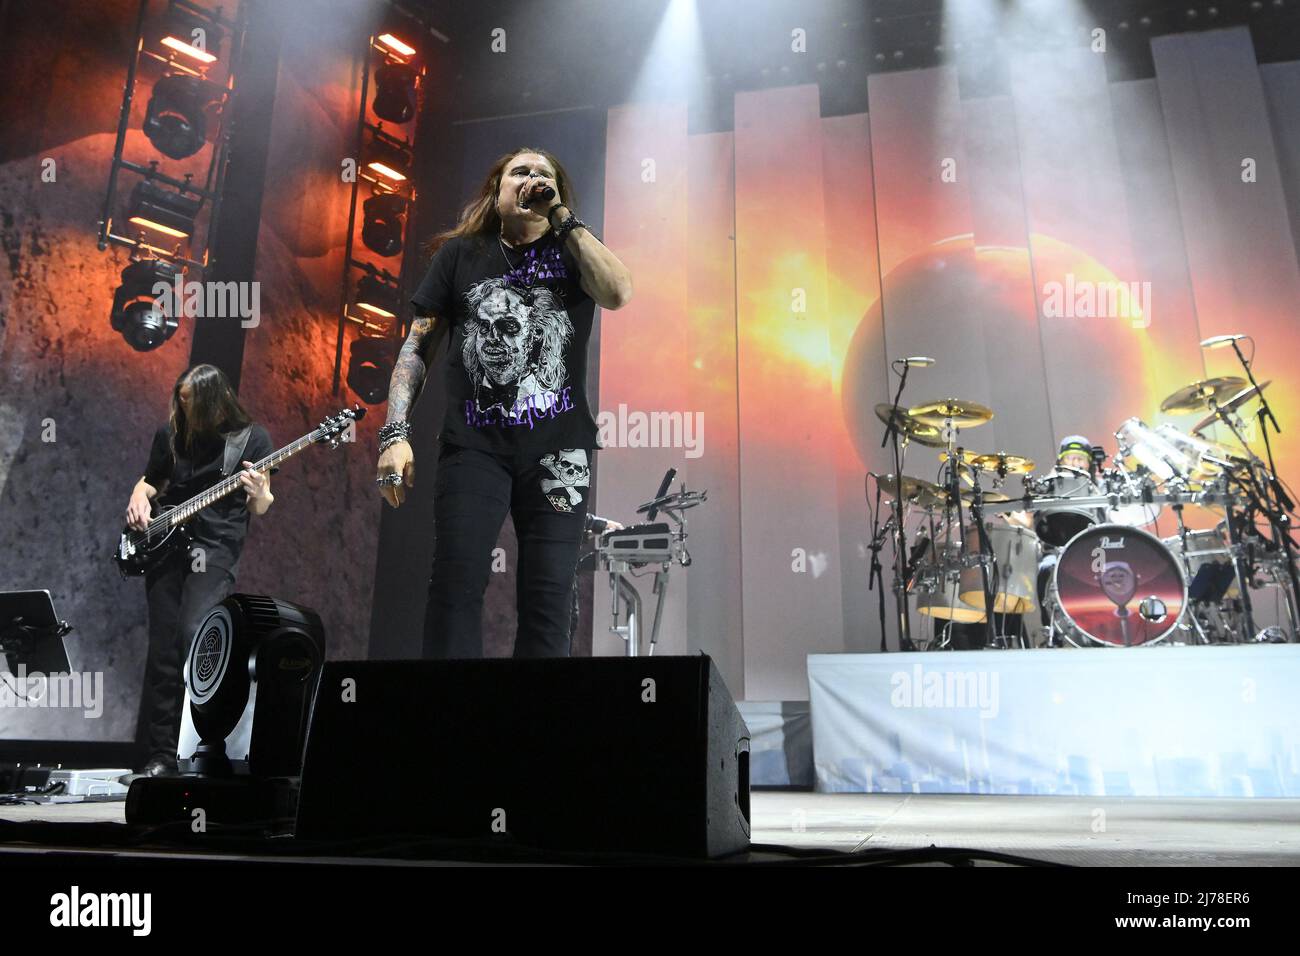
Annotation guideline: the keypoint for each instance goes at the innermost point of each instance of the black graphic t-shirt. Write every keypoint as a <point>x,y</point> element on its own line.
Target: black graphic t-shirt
<point>221,527</point>
<point>516,367</point>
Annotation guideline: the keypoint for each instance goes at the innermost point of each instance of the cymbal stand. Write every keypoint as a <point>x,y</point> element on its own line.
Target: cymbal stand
<point>986,557</point>
<point>985,553</point>
<point>1279,504</point>
<point>900,541</point>
<point>875,578</point>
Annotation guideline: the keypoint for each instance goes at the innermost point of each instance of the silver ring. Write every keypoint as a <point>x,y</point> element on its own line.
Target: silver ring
<point>393,479</point>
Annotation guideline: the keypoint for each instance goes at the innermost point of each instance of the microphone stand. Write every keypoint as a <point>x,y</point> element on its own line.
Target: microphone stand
<point>900,542</point>
<point>1280,505</point>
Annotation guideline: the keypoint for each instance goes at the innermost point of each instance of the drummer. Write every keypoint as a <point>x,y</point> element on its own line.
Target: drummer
<point>1074,453</point>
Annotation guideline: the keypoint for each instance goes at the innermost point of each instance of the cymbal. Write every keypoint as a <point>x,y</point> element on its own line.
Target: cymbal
<point>917,490</point>
<point>1015,464</point>
<point>909,427</point>
<point>961,413</point>
<point>1196,397</point>
<point>990,497</point>
<point>1004,462</point>
<point>1231,405</point>
<point>675,501</point>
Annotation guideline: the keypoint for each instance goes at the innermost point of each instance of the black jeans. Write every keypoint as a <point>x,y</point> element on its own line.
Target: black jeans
<point>547,499</point>
<point>179,597</point>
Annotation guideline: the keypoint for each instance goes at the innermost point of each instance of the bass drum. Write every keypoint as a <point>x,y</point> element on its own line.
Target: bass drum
<point>1117,586</point>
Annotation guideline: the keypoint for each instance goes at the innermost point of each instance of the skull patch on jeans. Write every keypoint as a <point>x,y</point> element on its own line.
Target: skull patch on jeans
<point>570,477</point>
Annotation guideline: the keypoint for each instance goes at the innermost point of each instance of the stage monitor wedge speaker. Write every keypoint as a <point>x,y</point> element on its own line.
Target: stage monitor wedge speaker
<point>641,755</point>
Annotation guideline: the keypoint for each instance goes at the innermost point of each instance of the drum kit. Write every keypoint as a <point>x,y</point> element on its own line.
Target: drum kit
<point>1077,554</point>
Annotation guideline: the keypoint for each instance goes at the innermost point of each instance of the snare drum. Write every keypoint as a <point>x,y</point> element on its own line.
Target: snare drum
<point>1116,586</point>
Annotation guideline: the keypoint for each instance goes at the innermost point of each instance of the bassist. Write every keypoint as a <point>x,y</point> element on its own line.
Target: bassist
<point>192,452</point>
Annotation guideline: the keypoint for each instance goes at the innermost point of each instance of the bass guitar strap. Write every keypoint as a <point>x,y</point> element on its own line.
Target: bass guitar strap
<point>236,442</point>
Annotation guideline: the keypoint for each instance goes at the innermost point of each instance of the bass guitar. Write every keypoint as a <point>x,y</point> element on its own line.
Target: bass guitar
<point>138,550</point>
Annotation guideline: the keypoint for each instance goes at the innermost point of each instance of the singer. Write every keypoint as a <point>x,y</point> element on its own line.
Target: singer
<point>513,288</point>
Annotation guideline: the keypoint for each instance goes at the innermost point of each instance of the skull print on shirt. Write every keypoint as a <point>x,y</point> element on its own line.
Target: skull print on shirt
<point>570,472</point>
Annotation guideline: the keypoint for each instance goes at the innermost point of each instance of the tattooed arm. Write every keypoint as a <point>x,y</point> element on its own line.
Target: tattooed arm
<point>412,366</point>
<point>409,373</point>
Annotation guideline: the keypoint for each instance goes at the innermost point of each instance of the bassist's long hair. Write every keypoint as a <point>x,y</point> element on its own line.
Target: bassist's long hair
<point>214,408</point>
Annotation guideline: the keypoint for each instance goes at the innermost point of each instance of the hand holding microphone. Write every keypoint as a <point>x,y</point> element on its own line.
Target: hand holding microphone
<point>537,195</point>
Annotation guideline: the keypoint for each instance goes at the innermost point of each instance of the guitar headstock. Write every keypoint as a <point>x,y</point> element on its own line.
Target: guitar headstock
<point>338,428</point>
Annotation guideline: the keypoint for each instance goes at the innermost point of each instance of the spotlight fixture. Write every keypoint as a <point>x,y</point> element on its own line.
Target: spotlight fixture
<point>370,366</point>
<point>377,297</point>
<point>395,85</point>
<point>139,312</point>
<point>189,40</point>
<point>176,120</point>
<point>393,46</point>
<point>385,220</point>
<point>188,49</point>
<point>164,211</point>
<point>387,161</point>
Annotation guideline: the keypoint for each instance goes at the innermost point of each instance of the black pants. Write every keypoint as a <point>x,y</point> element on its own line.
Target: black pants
<point>547,499</point>
<point>178,598</point>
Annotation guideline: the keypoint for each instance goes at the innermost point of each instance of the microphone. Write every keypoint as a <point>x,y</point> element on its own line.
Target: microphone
<point>1220,341</point>
<point>920,361</point>
<point>546,193</point>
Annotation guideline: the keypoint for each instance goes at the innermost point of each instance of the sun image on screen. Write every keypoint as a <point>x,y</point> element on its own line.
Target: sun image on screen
<point>1120,586</point>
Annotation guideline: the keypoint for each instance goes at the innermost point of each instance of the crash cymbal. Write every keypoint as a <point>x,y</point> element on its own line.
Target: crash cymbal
<point>916,490</point>
<point>1231,405</point>
<point>910,428</point>
<point>1196,397</point>
<point>961,413</point>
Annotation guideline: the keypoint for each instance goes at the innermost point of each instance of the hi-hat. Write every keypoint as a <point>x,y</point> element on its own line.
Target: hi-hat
<point>1198,396</point>
<point>1231,405</point>
<point>909,427</point>
<point>951,411</point>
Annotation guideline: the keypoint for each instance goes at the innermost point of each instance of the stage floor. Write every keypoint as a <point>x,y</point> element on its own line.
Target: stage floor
<point>1080,831</point>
